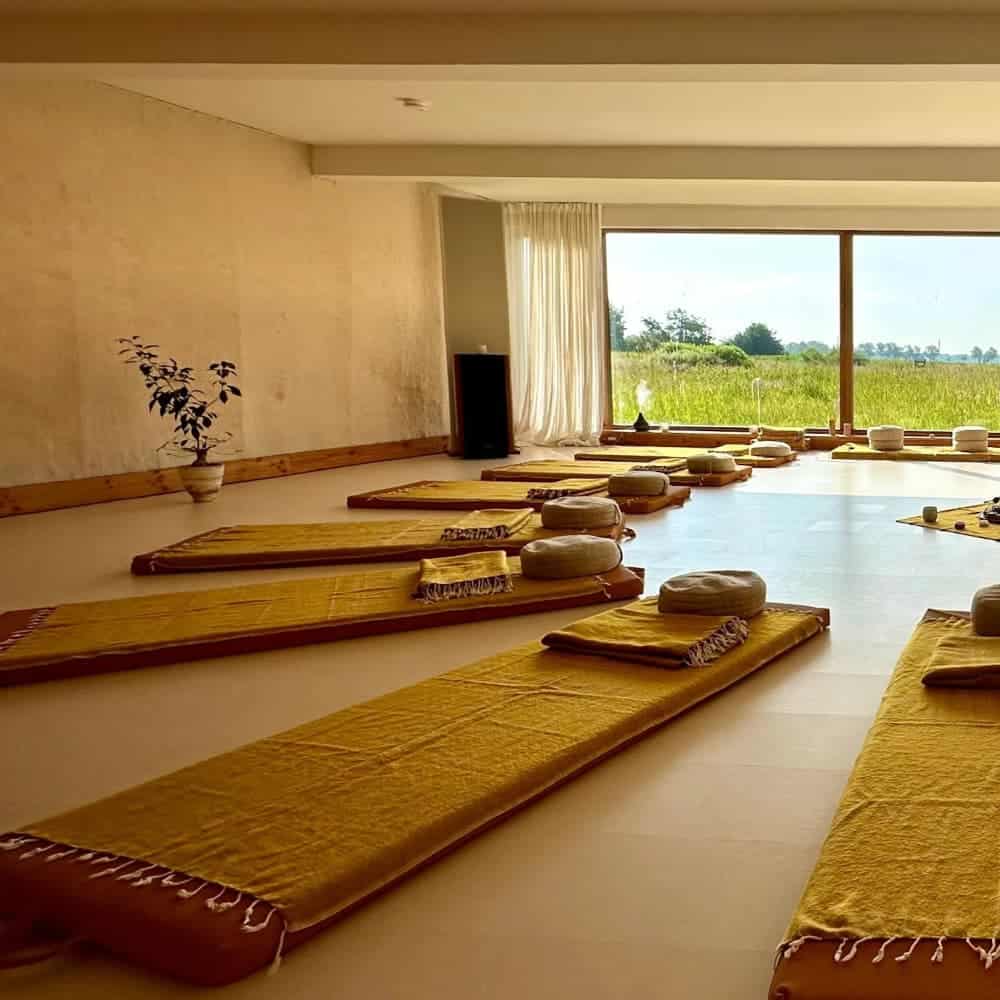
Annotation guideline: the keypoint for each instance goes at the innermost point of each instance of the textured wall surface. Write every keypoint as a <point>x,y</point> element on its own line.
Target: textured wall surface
<point>475,279</point>
<point>123,215</point>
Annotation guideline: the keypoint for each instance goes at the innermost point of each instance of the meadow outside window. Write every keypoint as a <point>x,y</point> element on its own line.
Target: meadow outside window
<point>927,331</point>
<point>735,329</point>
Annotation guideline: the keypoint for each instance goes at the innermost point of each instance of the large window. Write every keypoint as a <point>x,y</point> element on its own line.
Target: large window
<point>927,331</point>
<point>724,328</point>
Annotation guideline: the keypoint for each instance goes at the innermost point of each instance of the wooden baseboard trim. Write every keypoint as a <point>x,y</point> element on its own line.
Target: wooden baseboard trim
<point>36,497</point>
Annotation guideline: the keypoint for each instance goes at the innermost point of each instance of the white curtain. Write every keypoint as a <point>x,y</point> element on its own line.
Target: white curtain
<point>557,333</point>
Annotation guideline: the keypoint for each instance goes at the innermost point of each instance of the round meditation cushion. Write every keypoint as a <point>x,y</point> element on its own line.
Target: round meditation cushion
<point>986,611</point>
<point>885,437</point>
<point>970,439</point>
<point>580,513</point>
<point>568,556</point>
<point>638,484</point>
<point>770,449</point>
<point>721,592</point>
<point>711,462</point>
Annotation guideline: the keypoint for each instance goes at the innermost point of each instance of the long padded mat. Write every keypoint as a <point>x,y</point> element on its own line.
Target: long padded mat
<point>902,903</point>
<point>634,453</point>
<point>914,453</point>
<point>548,470</point>
<point>969,516</point>
<point>39,644</point>
<point>676,496</point>
<point>471,494</point>
<point>292,832</point>
<point>740,475</point>
<point>259,546</point>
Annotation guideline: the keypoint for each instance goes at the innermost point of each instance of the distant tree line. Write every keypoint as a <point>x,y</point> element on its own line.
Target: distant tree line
<point>681,327</point>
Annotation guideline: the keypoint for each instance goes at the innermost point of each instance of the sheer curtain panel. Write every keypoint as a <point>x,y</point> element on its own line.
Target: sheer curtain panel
<point>557,334</point>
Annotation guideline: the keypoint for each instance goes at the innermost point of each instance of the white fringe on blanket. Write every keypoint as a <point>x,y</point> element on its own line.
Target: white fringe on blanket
<point>726,637</point>
<point>32,623</point>
<point>484,586</point>
<point>456,534</point>
<point>849,948</point>
<point>552,492</point>
<point>111,864</point>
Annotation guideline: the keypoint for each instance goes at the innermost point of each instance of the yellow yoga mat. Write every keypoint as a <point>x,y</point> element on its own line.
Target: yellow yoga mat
<point>472,494</point>
<point>649,453</point>
<point>248,546</point>
<point>912,850</point>
<point>549,469</point>
<point>969,516</point>
<point>914,453</point>
<point>312,820</point>
<point>97,636</point>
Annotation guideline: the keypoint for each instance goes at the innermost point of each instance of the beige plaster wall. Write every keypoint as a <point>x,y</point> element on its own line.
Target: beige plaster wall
<point>120,214</point>
<point>475,278</point>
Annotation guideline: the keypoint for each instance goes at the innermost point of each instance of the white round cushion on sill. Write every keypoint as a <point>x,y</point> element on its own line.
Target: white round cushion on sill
<point>638,484</point>
<point>720,592</point>
<point>770,449</point>
<point>711,462</point>
<point>886,437</point>
<point>580,513</point>
<point>569,556</point>
<point>970,439</point>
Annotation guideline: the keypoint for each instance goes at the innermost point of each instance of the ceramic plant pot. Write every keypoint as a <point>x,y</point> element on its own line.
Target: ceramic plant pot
<point>203,482</point>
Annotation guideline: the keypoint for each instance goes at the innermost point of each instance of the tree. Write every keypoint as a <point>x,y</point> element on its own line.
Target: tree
<point>989,355</point>
<point>976,354</point>
<point>616,327</point>
<point>932,351</point>
<point>654,332</point>
<point>758,338</point>
<point>687,329</point>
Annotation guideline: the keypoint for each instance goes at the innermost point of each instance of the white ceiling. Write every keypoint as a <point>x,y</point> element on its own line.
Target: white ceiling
<point>597,112</point>
<point>790,194</point>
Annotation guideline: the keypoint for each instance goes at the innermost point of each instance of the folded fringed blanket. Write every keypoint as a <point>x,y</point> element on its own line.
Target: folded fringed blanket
<point>476,575</point>
<point>485,525</point>
<point>564,488</point>
<point>966,662</point>
<point>639,632</point>
<point>665,466</point>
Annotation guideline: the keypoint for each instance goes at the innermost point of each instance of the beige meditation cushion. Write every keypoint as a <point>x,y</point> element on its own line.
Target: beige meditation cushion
<point>986,611</point>
<point>770,449</point>
<point>580,513</point>
<point>569,556</point>
<point>710,462</point>
<point>720,592</point>
<point>885,437</point>
<point>638,484</point>
<point>970,439</point>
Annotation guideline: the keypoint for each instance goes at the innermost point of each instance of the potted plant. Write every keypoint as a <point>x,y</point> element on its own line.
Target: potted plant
<point>194,410</point>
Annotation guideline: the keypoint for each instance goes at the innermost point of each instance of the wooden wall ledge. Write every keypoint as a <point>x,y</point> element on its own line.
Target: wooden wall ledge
<point>35,497</point>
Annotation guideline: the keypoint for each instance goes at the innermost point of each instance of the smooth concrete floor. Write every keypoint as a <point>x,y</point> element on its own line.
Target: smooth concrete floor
<point>669,871</point>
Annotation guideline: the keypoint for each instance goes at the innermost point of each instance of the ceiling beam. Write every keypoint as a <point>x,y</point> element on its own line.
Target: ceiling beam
<point>440,163</point>
<point>504,39</point>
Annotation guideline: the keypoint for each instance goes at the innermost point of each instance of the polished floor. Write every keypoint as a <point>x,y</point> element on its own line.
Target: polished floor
<point>669,871</point>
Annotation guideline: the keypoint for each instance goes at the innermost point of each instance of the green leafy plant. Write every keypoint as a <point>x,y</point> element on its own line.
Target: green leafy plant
<point>175,391</point>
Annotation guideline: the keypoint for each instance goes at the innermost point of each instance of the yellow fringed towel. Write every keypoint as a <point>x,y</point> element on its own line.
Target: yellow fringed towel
<point>639,632</point>
<point>563,488</point>
<point>476,575</point>
<point>967,662</point>
<point>485,525</point>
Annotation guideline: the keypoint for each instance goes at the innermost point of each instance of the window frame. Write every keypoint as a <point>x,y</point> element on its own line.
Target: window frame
<point>845,300</point>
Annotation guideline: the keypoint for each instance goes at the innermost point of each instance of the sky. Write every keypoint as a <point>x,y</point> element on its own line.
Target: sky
<point>909,289</point>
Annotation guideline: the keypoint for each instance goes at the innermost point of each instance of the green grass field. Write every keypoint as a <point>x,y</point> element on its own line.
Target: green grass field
<point>799,393</point>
